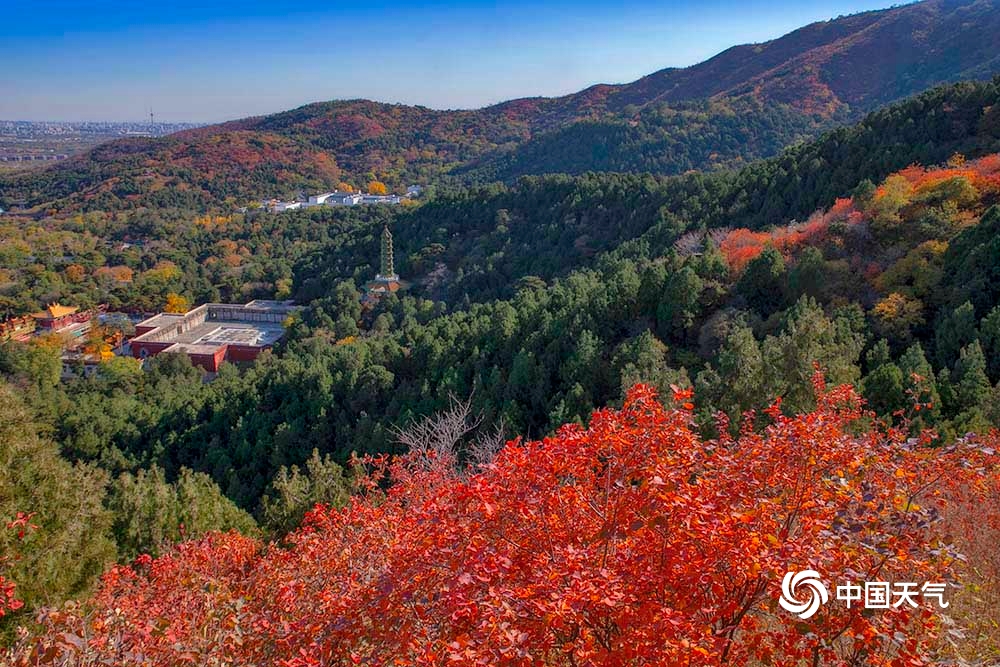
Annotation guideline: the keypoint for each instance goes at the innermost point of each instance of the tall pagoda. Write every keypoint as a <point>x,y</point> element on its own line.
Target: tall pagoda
<point>386,280</point>
<point>387,270</point>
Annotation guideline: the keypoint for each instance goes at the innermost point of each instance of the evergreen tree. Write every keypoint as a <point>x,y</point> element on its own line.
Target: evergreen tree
<point>809,338</point>
<point>150,513</point>
<point>884,386</point>
<point>295,490</point>
<point>71,545</point>
<point>989,337</point>
<point>643,359</point>
<point>736,383</point>
<point>921,384</point>
<point>954,332</point>
<point>972,387</point>
<point>763,282</point>
<point>679,305</point>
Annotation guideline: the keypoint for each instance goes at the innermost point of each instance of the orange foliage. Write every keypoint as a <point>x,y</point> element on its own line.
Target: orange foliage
<point>983,174</point>
<point>213,221</point>
<point>633,542</point>
<point>741,246</point>
<point>121,274</point>
<point>75,273</point>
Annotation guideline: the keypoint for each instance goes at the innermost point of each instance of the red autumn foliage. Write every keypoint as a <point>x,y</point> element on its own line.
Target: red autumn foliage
<point>632,542</point>
<point>741,246</point>
<point>8,600</point>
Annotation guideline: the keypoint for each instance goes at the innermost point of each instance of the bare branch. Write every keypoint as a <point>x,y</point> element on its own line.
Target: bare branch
<point>445,436</point>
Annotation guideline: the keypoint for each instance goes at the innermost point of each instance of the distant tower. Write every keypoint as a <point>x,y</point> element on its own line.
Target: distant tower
<point>151,116</point>
<point>387,270</point>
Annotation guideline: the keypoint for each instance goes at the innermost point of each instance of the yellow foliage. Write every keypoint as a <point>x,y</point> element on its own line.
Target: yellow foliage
<point>163,270</point>
<point>898,308</point>
<point>377,188</point>
<point>50,341</point>
<point>176,304</point>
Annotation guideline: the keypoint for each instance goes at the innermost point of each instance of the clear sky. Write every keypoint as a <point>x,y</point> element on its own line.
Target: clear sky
<point>211,60</point>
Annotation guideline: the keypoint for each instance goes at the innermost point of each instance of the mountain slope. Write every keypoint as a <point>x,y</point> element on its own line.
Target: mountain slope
<point>762,97</point>
<point>862,61</point>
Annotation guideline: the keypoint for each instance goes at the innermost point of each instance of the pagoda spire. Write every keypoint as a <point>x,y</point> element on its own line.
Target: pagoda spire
<point>387,269</point>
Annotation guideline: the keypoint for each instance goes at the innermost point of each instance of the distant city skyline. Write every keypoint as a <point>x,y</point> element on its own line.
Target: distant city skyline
<point>188,62</point>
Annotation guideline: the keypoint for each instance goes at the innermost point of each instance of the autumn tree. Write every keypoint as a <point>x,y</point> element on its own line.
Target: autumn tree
<point>75,273</point>
<point>176,304</point>
<point>630,542</point>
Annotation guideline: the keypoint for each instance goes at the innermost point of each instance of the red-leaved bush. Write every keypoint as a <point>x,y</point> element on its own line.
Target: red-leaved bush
<point>9,602</point>
<point>631,542</point>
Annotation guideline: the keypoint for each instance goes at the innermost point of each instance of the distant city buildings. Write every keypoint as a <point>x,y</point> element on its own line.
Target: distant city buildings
<point>28,129</point>
<point>340,198</point>
<point>40,141</point>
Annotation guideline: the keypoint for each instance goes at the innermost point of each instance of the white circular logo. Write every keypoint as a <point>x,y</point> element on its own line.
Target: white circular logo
<point>807,579</point>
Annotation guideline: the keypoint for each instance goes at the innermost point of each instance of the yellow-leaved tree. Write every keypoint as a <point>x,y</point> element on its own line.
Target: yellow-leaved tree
<point>177,304</point>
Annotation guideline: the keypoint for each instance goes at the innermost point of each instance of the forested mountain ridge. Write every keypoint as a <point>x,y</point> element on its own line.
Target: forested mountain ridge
<point>748,102</point>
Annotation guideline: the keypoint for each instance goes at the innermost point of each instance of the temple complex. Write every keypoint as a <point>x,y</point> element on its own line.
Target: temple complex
<point>214,332</point>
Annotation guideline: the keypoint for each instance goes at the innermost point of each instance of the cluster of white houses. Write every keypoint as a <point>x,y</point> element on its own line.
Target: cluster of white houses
<point>339,198</point>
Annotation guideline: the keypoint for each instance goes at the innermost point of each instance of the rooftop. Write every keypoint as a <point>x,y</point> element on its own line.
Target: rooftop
<point>161,320</point>
<point>54,311</point>
<point>192,349</point>
<point>256,324</point>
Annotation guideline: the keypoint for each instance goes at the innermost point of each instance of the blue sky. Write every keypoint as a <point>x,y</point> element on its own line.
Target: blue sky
<point>214,60</point>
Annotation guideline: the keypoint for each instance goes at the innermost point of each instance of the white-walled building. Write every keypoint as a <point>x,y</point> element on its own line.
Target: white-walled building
<point>344,199</point>
<point>275,206</point>
<point>316,200</point>
<point>380,199</point>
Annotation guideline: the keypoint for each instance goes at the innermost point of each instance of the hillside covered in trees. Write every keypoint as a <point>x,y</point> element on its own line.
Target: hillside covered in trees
<point>746,103</point>
<point>532,305</point>
<point>871,253</point>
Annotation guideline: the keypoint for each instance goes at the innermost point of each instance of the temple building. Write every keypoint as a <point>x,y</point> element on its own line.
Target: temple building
<point>214,332</point>
<point>56,317</point>
<point>68,321</point>
<point>386,280</point>
<point>17,328</point>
